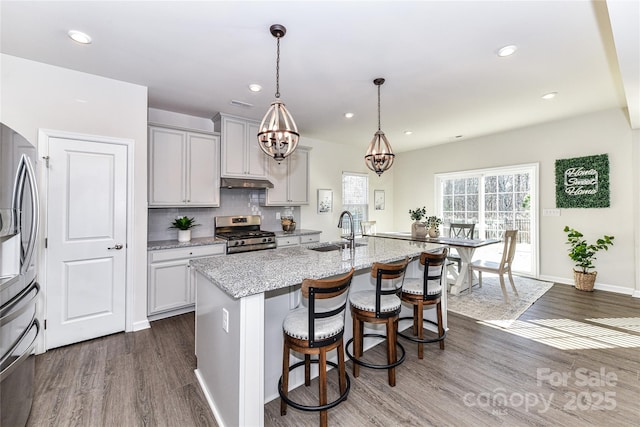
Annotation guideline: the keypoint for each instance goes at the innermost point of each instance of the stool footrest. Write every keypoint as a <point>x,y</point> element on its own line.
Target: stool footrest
<point>416,339</point>
<point>370,365</point>
<point>310,408</point>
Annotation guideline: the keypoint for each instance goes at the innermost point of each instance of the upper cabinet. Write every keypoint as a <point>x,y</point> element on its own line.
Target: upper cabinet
<point>290,180</point>
<point>241,157</point>
<point>183,168</point>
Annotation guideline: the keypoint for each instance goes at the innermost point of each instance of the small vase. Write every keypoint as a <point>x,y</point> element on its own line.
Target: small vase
<point>418,229</point>
<point>434,232</point>
<point>184,235</point>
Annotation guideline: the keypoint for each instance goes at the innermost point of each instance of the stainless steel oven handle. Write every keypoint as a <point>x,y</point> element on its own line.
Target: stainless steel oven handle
<point>7,371</point>
<point>6,311</point>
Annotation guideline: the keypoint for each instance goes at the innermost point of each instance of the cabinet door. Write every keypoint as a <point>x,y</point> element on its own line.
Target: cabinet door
<point>299,177</point>
<point>169,286</point>
<point>233,147</point>
<point>256,159</point>
<point>278,174</point>
<point>203,172</point>
<point>167,167</point>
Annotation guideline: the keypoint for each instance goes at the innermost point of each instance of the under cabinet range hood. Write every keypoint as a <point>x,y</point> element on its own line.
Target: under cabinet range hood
<point>245,183</point>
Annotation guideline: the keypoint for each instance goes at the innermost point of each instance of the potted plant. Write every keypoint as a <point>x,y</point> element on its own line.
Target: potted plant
<point>418,228</point>
<point>184,225</point>
<point>583,254</point>
<point>433,223</point>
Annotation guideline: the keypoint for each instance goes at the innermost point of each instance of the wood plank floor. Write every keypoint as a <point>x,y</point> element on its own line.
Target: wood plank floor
<point>485,377</point>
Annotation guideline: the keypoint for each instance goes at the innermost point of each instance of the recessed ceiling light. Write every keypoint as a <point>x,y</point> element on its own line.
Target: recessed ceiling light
<point>507,50</point>
<point>253,87</point>
<point>549,95</point>
<point>79,36</point>
<point>407,132</point>
<point>348,115</point>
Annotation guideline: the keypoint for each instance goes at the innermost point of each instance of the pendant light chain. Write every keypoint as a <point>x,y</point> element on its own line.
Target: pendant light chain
<point>278,70</point>
<point>378,107</point>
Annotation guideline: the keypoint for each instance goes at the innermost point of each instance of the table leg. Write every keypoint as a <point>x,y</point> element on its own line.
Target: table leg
<point>466,255</point>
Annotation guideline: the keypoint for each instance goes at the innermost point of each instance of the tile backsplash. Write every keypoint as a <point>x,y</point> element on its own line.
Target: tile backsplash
<point>236,201</point>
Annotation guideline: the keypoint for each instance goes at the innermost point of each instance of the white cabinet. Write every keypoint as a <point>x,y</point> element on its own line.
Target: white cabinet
<point>292,240</point>
<point>183,168</point>
<point>290,180</point>
<point>171,281</point>
<point>241,156</point>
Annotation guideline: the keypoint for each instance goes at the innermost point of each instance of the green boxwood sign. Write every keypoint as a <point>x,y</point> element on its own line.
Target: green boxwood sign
<point>583,182</point>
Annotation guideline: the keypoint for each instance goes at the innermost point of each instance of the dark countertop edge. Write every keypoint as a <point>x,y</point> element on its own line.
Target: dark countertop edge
<point>173,244</point>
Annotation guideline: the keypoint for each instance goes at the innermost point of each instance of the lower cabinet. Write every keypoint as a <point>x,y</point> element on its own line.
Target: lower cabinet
<point>171,289</point>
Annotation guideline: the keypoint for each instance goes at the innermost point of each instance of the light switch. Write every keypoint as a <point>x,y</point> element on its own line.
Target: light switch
<point>550,212</point>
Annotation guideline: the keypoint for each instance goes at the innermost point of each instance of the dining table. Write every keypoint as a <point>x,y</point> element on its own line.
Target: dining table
<point>465,248</point>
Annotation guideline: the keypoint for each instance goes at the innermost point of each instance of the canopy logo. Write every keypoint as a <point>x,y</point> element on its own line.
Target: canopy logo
<point>583,182</point>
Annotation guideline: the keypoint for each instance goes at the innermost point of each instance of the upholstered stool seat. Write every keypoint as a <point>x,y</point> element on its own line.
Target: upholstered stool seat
<point>378,306</point>
<point>424,292</point>
<point>316,328</point>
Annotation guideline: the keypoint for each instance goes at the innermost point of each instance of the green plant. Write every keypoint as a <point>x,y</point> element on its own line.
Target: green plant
<point>433,222</point>
<point>583,253</point>
<point>184,223</point>
<point>418,214</point>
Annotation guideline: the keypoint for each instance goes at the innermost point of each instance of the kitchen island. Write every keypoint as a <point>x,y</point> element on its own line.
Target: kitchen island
<point>241,300</point>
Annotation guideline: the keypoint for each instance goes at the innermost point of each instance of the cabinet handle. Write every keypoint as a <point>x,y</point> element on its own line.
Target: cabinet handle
<point>117,247</point>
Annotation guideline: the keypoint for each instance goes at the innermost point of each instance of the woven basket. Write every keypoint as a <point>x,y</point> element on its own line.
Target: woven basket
<point>584,281</point>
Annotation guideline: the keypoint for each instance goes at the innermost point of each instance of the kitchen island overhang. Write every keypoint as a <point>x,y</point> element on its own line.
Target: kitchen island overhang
<point>248,295</point>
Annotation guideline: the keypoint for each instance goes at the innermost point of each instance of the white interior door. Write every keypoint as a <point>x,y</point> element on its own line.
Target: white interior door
<point>86,231</point>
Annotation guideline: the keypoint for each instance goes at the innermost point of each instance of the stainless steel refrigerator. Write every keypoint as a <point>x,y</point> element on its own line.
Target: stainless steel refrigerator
<point>19,289</point>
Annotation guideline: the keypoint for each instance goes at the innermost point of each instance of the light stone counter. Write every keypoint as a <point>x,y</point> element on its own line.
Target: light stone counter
<point>172,244</point>
<point>301,232</point>
<point>249,273</point>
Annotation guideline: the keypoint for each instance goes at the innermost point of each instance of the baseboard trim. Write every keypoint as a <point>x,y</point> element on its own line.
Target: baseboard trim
<point>139,326</point>
<point>598,286</point>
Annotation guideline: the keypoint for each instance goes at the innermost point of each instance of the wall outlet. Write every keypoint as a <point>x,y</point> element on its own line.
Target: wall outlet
<point>550,212</point>
<point>277,215</point>
<point>225,320</point>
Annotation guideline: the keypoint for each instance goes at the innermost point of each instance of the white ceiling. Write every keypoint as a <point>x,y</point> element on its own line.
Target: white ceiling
<point>443,77</point>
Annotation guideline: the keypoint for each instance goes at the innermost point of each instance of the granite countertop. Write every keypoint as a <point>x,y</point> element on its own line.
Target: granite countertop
<point>172,244</point>
<point>249,273</point>
<point>301,232</point>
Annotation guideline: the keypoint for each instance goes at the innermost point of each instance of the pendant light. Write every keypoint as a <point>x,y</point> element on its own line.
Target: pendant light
<point>278,135</point>
<point>379,155</point>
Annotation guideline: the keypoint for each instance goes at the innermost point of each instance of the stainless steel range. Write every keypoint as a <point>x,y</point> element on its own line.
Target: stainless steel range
<point>243,233</point>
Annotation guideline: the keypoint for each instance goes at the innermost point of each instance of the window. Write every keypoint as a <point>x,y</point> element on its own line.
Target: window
<point>355,198</point>
<point>495,200</point>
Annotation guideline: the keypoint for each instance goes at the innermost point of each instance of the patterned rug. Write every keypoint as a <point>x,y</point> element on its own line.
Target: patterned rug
<point>487,303</point>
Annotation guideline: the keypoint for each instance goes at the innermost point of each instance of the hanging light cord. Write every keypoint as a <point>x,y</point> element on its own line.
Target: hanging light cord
<point>378,107</point>
<point>278,70</point>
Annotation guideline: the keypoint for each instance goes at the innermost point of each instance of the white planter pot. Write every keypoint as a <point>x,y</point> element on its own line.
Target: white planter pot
<point>184,235</point>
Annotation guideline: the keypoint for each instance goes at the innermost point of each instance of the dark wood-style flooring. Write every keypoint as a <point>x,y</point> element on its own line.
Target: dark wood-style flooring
<point>484,377</point>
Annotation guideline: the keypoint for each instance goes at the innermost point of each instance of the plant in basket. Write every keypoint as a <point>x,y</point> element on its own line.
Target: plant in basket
<point>583,254</point>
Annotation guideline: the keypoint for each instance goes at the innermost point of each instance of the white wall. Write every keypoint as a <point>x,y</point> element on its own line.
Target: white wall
<point>606,132</point>
<point>39,96</point>
<point>328,161</point>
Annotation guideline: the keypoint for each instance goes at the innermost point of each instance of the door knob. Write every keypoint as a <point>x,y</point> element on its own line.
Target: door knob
<point>116,247</point>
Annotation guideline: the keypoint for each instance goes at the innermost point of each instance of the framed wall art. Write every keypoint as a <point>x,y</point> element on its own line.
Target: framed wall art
<point>325,201</point>
<point>378,199</point>
<point>583,182</point>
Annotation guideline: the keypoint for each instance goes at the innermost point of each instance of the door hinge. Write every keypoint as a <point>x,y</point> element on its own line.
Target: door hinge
<point>46,161</point>
<point>46,242</point>
<point>45,323</point>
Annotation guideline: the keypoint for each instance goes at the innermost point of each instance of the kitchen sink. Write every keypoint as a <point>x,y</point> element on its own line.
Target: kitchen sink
<point>334,247</point>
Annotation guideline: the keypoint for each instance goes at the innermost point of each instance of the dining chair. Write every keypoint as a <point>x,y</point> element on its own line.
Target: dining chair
<point>499,268</point>
<point>459,231</point>
<point>315,329</point>
<point>367,227</point>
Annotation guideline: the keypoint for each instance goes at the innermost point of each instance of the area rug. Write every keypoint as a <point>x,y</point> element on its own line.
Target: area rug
<point>488,304</point>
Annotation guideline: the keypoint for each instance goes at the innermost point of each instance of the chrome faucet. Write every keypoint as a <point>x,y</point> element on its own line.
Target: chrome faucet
<point>352,234</point>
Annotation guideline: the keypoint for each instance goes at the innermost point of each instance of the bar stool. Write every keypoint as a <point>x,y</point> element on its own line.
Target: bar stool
<point>379,306</point>
<point>425,291</point>
<point>317,329</point>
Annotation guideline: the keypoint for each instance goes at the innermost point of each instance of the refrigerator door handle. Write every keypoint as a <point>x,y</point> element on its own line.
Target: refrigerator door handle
<point>26,175</point>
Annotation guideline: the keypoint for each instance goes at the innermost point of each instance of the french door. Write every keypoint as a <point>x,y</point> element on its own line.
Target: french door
<point>496,200</point>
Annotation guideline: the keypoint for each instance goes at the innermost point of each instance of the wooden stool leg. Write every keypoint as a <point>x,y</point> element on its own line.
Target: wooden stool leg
<point>322,384</point>
<point>285,377</point>
<point>307,370</point>
<point>415,320</point>
<point>391,348</point>
<point>357,344</point>
<point>440,325</point>
<point>419,321</point>
<point>342,375</point>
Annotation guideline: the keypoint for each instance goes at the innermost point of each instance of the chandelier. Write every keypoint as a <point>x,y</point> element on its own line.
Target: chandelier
<point>278,134</point>
<point>379,155</point>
